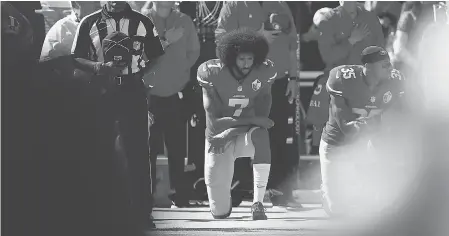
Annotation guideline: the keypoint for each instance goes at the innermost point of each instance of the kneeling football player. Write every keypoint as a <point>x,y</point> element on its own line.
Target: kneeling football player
<point>359,96</point>
<point>237,102</point>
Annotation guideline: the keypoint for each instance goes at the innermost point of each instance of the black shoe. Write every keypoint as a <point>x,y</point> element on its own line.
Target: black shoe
<point>258,211</point>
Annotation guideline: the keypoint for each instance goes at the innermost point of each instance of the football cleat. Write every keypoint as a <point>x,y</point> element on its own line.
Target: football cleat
<point>258,211</point>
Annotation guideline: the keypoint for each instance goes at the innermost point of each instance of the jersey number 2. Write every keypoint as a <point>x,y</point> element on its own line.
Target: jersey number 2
<point>241,103</point>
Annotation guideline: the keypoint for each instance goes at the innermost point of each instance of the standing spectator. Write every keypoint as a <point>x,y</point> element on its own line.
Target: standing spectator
<point>389,23</point>
<point>346,32</point>
<point>117,45</point>
<point>51,15</point>
<point>264,16</point>
<point>169,79</point>
<point>205,16</point>
<point>318,109</point>
<point>388,13</point>
<point>59,39</point>
<point>414,16</point>
<point>309,34</point>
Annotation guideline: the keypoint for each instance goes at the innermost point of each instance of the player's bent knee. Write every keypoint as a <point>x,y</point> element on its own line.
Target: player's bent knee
<point>220,217</point>
<point>221,212</point>
<point>261,142</point>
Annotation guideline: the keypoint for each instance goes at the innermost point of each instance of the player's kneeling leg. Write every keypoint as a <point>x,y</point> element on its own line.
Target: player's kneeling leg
<point>218,173</point>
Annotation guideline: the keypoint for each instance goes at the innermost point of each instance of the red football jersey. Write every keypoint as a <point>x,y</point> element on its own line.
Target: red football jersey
<point>237,97</point>
<point>348,82</point>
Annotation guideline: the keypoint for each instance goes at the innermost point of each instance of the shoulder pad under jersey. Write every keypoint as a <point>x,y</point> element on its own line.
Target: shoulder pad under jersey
<point>207,71</point>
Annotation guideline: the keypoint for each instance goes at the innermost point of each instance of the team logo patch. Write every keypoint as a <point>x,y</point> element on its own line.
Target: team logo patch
<point>387,97</point>
<point>137,45</point>
<point>318,89</point>
<point>372,99</point>
<point>256,84</point>
<point>118,58</point>
<point>383,53</point>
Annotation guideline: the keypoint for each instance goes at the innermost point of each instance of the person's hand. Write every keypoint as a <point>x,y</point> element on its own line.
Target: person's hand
<point>173,35</point>
<point>110,68</point>
<point>217,144</point>
<point>270,35</point>
<point>292,90</point>
<point>263,122</point>
<point>359,32</point>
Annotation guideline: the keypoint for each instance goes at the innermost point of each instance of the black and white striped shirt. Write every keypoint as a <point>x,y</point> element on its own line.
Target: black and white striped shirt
<point>96,26</point>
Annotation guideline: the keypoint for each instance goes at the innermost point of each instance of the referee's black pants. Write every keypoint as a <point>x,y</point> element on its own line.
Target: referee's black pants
<point>283,143</point>
<point>169,126</point>
<point>121,157</point>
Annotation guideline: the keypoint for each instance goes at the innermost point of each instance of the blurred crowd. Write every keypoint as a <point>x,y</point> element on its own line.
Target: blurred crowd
<point>48,118</point>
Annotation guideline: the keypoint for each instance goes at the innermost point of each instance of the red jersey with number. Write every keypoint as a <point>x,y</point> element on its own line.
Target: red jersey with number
<point>237,97</point>
<point>348,82</point>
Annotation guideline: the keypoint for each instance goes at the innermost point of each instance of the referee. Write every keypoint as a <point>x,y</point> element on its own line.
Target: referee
<point>120,161</point>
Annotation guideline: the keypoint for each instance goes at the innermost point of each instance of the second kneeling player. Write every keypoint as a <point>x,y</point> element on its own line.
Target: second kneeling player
<point>361,97</point>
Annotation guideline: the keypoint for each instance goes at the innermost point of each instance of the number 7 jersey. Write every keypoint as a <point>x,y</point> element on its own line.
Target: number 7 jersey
<point>237,97</point>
